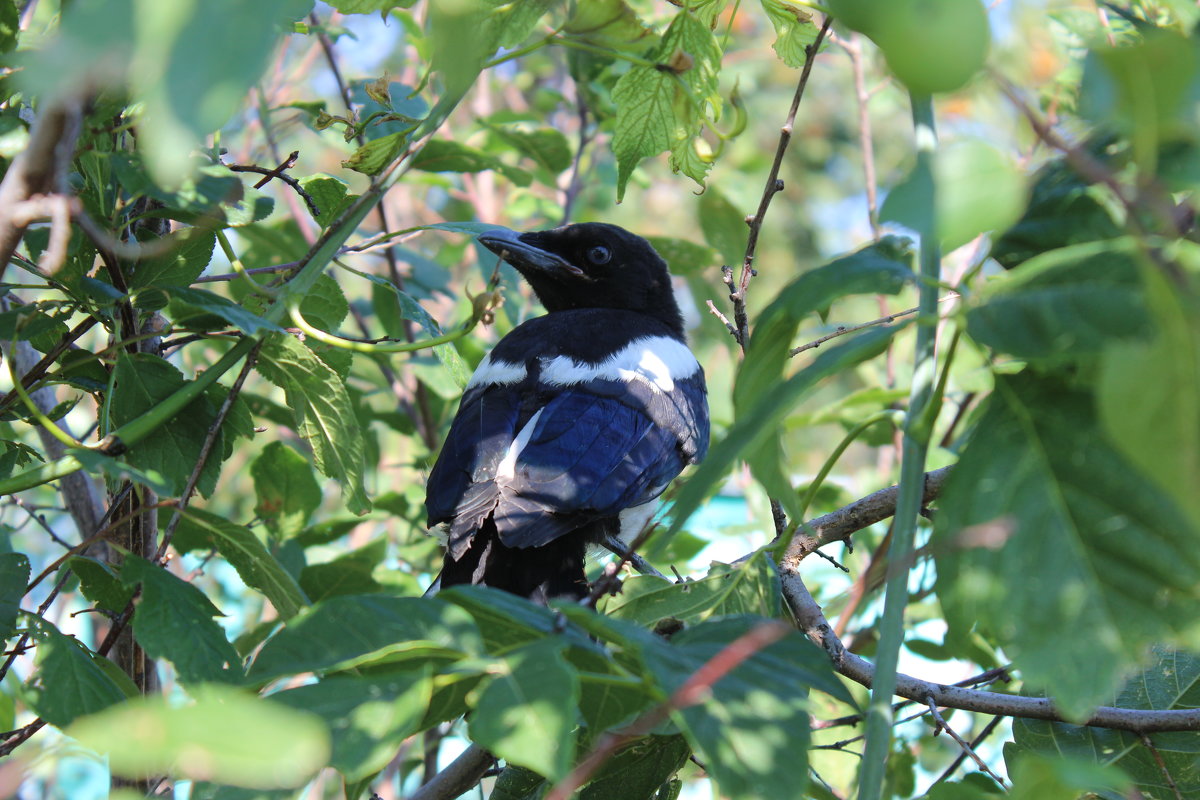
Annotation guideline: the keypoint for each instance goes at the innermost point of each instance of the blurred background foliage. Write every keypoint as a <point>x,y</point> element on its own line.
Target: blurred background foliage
<point>1071,395</point>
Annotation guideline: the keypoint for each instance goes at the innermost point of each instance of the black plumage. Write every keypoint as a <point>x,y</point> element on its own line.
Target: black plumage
<point>575,422</point>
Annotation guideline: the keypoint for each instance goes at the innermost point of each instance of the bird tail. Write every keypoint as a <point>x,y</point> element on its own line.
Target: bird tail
<point>554,570</point>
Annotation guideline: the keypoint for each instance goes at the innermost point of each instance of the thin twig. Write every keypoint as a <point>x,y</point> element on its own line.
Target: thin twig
<point>276,173</point>
<point>992,724</point>
<point>1162,766</point>
<point>210,439</point>
<point>773,186</point>
<point>617,547</point>
<point>942,725</point>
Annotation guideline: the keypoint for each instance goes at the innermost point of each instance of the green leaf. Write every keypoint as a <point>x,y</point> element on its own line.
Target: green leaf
<point>369,718</point>
<point>324,414</point>
<point>683,257</point>
<point>351,573</point>
<point>370,6</point>
<point>753,729</point>
<point>350,630</point>
<point>979,189</point>
<point>173,449</point>
<point>69,681</point>
<point>1049,539</point>
<point>1170,681</point>
<point>224,735</point>
<point>10,25</point>
<point>724,226</point>
<point>638,769</point>
<point>286,491</point>
<point>1036,777</point>
<point>14,577</point>
<point>1063,210</point>
<point>547,147</point>
<point>661,107</point>
<point>1148,395</point>
<point>447,155</point>
<point>241,548</point>
<point>207,302</point>
<point>751,587</point>
<point>1064,305</point>
<point>375,155</point>
<point>507,621</point>
<point>526,713</point>
<point>174,621</point>
<point>794,31</point>
<point>100,583</point>
<point>762,398</point>
<point>330,196</point>
<point>188,253</point>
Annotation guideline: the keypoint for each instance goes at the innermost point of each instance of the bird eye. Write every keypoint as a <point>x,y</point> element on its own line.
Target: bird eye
<point>599,254</point>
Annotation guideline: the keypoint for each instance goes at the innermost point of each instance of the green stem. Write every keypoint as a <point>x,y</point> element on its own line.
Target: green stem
<point>372,347</point>
<point>912,469</point>
<point>831,461</point>
<point>137,429</point>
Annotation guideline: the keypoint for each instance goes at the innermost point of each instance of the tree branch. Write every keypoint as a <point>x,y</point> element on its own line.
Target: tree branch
<point>463,773</point>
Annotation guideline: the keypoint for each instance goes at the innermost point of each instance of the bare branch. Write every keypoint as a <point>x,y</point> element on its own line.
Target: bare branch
<point>463,773</point>
<point>942,725</point>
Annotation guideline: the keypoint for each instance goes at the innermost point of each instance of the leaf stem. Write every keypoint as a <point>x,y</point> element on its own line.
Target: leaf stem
<point>912,468</point>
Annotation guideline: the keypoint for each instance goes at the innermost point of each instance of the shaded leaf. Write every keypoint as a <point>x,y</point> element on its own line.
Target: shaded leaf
<point>286,491</point>
<point>174,621</point>
<point>14,577</point>
<point>249,556</point>
<point>349,630</point>
<point>751,587</point>
<point>1048,539</point>
<point>526,712</point>
<point>100,583</point>
<point>368,718</point>
<point>69,681</point>
<point>324,414</point>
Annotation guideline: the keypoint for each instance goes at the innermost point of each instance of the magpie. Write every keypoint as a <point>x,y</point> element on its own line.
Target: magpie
<point>575,422</point>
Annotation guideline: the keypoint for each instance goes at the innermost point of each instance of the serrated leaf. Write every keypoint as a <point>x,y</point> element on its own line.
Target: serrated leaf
<point>174,621</point>
<point>375,155</point>
<point>100,583</point>
<point>330,196</point>
<point>286,491</point>
<point>172,450</point>
<point>242,549</point>
<point>751,587</point>
<point>14,577</point>
<point>1064,305</point>
<point>1043,521</point>
<point>661,107</point>
<point>225,735</point>
<point>233,313</point>
<point>324,414</point>
<point>188,253</point>
<point>68,682</point>
<point>368,717</point>
<point>526,713</point>
<point>794,31</point>
<point>349,630</point>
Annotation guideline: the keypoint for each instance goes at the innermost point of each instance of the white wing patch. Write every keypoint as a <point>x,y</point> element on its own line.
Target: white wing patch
<point>507,469</point>
<point>658,360</point>
<point>633,519</point>
<point>497,373</point>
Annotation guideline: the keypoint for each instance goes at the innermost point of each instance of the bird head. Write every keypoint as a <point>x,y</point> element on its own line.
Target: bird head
<point>589,265</point>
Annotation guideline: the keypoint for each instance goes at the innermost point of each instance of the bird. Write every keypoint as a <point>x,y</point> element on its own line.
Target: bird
<point>575,422</point>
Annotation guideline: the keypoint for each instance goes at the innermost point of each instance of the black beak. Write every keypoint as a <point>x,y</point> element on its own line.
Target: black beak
<point>513,248</point>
